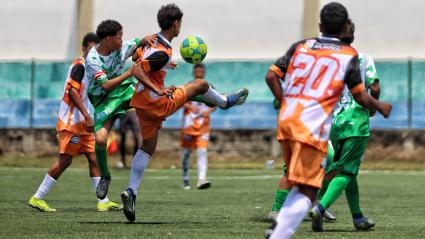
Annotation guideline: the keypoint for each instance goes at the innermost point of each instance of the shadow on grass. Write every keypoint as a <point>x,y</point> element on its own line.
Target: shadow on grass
<point>121,222</point>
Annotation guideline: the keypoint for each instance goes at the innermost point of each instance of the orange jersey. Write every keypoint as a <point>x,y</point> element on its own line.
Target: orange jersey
<point>70,118</point>
<point>156,61</point>
<point>314,73</point>
<point>194,123</point>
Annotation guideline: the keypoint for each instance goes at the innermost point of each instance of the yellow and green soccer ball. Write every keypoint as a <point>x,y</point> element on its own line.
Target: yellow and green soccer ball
<point>193,49</point>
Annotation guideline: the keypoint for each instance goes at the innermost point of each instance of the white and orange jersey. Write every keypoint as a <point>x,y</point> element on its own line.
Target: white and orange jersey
<point>70,118</point>
<point>156,60</point>
<point>194,123</point>
<point>314,72</point>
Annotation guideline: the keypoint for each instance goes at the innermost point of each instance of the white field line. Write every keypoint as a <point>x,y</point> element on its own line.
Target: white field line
<point>239,177</point>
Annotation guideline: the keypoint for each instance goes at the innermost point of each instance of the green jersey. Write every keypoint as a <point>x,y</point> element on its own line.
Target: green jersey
<point>100,69</point>
<point>349,118</point>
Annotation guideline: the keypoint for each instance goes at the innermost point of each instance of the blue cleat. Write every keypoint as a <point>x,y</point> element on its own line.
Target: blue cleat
<point>363,223</point>
<point>236,98</point>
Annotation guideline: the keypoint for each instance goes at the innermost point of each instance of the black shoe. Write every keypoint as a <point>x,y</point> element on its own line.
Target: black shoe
<point>316,219</point>
<point>129,203</point>
<point>102,187</point>
<point>363,223</point>
<point>268,233</point>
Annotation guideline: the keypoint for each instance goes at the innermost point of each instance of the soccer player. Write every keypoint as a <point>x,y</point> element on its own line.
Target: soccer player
<point>282,192</point>
<point>314,72</point>
<point>110,89</point>
<point>154,102</point>
<point>349,136</point>
<point>75,132</point>
<point>195,135</point>
<point>129,122</point>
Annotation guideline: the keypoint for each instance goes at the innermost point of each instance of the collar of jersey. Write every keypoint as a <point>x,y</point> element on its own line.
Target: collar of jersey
<point>164,39</point>
<point>328,38</point>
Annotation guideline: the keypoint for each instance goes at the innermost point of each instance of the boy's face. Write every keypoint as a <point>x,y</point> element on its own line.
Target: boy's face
<point>176,27</point>
<point>87,49</point>
<point>199,73</point>
<point>115,42</point>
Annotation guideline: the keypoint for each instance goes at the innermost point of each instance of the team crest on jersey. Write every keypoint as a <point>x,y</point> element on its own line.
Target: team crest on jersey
<point>75,140</point>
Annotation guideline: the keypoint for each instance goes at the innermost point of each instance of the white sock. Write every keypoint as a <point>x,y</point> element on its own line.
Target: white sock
<point>202,164</point>
<point>94,183</point>
<point>138,165</point>
<point>291,215</point>
<point>214,97</point>
<point>185,163</point>
<point>45,186</point>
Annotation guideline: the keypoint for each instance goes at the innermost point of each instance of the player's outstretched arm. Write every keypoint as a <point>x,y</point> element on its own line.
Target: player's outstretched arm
<point>370,103</point>
<point>273,81</point>
<point>138,72</point>
<point>112,83</point>
<point>375,91</point>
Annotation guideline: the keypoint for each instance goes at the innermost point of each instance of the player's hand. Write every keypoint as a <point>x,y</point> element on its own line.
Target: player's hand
<point>89,124</point>
<point>149,40</point>
<point>136,69</point>
<point>385,109</point>
<point>168,91</point>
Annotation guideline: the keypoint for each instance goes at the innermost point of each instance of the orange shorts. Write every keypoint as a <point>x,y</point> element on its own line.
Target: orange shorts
<point>150,120</point>
<point>194,142</point>
<point>73,144</point>
<point>304,163</point>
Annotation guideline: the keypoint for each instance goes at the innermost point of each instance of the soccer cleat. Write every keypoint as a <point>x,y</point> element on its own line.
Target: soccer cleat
<point>329,215</point>
<point>236,98</point>
<point>316,219</point>
<point>273,216</point>
<point>203,184</point>
<point>186,185</point>
<point>129,202</point>
<point>102,187</point>
<point>363,223</point>
<point>108,206</point>
<point>40,205</point>
<point>270,230</point>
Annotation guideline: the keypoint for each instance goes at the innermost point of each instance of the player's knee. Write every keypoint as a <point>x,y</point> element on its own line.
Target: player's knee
<point>101,141</point>
<point>202,85</point>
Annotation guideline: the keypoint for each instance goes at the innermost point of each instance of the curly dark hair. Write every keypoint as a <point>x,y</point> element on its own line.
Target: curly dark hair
<point>334,18</point>
<point>167,15</point>
<point>90,37</point>
<point>108,28</point>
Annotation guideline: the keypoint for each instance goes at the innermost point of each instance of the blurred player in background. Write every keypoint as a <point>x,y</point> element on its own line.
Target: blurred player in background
<point>349,135</point>
<point>314,72</point>
<point>110,89</point>
<point>75,132</point>
<point>154,102</point>
<point>129,122</point>
<point>195,135</point>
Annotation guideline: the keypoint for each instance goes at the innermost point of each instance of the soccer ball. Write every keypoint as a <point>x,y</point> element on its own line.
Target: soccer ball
<point>193,49</point>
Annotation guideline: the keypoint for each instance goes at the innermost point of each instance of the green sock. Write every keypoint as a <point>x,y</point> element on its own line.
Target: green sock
<point>335,188</point>
<point>279,199</point>
<point>102,160</point>
<point>353,196</point>
<point>325,186</point>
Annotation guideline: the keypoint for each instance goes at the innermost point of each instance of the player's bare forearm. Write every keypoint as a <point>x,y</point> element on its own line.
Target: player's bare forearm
<point>370,103</point>
<point>147,82</point>
<point>75,97</point>
<point>273,81</point>
<point>375,90</point>
<point>112,83</point>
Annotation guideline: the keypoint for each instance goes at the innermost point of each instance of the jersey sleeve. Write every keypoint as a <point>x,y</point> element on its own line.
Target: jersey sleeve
<point>156,61</point>
<point>281,65</point>
<point>76,76</point>
<point>129,47</point>
<point>95,72</point>
<point>371,75</point>
<point>352,77</point>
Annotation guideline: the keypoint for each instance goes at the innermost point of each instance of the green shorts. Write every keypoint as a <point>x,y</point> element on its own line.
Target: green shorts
<point>348,154</point>
<point>113,106</point>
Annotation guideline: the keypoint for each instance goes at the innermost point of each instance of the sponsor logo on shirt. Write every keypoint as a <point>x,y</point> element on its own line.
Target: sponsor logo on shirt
<point>104,113</point>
